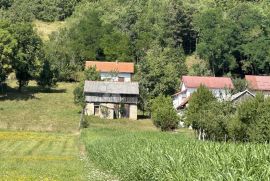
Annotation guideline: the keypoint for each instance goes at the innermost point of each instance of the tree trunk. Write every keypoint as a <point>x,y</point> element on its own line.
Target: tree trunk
<point>20,86</point>
<point>200,134</point>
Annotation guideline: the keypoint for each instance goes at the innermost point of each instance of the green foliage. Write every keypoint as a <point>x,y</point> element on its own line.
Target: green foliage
<point>7,47</point>
<point>159,73</point>
<point>253,120</point>
<point>239,85</point>
<point>134,154</point>
<point>46,10</point>
<point>28,52</point>
<point>47,77</point>
<point>90,74</point>
<point>214,120</point>
<point>78,93</point>
<point>163,114</point>
<point>234,40</point>
<point>5,3</point>
<point>199,104</point>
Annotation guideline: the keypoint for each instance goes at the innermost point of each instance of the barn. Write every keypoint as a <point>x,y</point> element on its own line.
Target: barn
<point>111,100</point>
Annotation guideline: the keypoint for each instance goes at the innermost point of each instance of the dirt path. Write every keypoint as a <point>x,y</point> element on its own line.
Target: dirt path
<point>92,173</point>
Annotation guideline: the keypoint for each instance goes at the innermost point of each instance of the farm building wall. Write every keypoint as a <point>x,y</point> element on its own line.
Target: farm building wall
<point>133,112</point>
<point>106,110</point>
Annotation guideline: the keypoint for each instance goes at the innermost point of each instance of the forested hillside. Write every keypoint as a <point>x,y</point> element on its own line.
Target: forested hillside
<point>227,38</point>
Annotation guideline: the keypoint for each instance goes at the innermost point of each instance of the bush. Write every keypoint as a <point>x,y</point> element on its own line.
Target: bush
<point>78,93</point>
<point>253,118</point>
<point>47,77</point>
<point>163,114</point>
<point>89,74</point>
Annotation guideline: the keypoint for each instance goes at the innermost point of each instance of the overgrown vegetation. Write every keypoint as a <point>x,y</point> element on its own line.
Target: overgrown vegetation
<point>28,10</point>
<point>222,121</point>
<point>163,114</point>
<point>90,74</point>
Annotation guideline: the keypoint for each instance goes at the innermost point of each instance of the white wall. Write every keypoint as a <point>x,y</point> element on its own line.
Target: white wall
<point>109,76</point>
<point>220,94</point>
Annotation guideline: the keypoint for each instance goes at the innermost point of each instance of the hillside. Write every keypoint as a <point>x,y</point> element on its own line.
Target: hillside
<point>45,29</point>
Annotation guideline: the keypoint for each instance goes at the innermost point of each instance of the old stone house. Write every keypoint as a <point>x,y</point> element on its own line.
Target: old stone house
<point>111,100</point>
<point>113,71</point>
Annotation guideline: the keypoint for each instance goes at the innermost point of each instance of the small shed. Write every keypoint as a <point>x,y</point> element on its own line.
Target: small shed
<point>241,96</point>
<point>111,100</point>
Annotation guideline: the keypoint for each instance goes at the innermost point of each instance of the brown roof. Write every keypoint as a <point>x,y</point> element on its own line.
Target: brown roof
<point>209,82</point>
<point>261,83</point>
<point>121,67</point>
<point>180,92</point>
<point>184,103</point>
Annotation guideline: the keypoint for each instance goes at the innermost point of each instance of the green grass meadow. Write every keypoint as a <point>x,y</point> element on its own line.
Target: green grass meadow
<point>39,136</point>
<point>36,110</point>
<point>40,156</point>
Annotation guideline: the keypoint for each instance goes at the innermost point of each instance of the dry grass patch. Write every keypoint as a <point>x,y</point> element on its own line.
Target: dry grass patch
<point>45,29</point>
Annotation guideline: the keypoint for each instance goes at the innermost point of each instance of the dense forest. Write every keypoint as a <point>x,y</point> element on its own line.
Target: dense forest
<point>223,38</point>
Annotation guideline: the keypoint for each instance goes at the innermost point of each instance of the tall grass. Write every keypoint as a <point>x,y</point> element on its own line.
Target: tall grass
<point>150,155</point>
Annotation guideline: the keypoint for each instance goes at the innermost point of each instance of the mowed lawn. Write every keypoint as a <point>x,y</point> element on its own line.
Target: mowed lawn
<point>40,156</point>
<point>39,136</point>
<point>36,110</point>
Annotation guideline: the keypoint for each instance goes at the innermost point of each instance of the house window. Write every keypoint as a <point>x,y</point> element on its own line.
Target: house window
<point>121,79</point>
<point>96,109</point>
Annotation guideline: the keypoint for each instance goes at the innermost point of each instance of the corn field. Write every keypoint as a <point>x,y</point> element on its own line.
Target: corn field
<point>144,155</point>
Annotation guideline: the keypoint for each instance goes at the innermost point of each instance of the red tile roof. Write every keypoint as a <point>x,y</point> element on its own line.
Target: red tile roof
<point>261,83</point>
<point>121,67</point>
<point>209,82</point>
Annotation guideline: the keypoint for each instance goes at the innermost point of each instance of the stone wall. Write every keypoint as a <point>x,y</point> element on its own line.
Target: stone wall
<point>89,109</point>
<point>133,112</point>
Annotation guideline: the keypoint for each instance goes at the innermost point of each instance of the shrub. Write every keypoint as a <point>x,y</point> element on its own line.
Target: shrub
<point>199,103</point>
<point>89,74</point>
<point>47,77</point>
<point>163,114</point>
<point>253,118</point>
<point>78,93</point>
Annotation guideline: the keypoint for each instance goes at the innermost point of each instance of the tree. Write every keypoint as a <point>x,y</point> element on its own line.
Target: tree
<point>252,118</point>
<point>163,113</point>
<point>160,72</point>
<point>199,104</point>
<point>239,85</point>
<point>27,54</point>
<point>47,77</point>
<point>90,74</point>
<point>7,48</point>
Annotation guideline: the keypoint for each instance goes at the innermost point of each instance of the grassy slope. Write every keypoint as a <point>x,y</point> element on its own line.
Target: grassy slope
<point>135,154</point>
<point>28,155</point>
<point>40,111</point>
<point>44,29</point>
